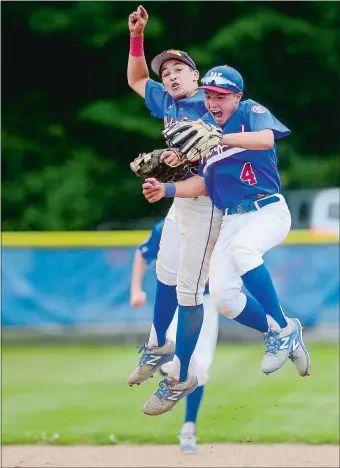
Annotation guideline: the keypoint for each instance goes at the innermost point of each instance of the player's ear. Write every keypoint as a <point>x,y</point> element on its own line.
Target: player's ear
<point>238,97</point>
<point>196,75</point>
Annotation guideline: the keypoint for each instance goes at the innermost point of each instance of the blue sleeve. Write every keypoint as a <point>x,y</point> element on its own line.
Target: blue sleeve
<point>260,118</point>
<point>201,167</point>
<point>155,98</point>
<point>149,248</point>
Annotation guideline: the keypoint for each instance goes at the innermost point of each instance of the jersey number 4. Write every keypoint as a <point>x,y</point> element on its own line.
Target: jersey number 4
<point>247,174</point>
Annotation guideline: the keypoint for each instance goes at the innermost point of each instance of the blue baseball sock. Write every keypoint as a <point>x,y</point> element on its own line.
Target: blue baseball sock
<point>164,310</point>
<point>193,402</point>
<point>259,283</point>
<point>253,316</point>
<point>190,319</point>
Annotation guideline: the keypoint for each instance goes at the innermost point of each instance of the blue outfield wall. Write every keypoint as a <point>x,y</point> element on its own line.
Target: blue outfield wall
<point>83,286</point>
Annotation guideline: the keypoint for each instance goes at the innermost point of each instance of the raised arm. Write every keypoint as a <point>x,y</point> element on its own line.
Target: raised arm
<point>137,71</point>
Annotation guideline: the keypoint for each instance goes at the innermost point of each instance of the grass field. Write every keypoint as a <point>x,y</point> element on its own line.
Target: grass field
<point>78,394</point>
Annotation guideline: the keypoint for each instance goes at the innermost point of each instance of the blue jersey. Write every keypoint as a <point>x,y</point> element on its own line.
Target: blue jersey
<point>236,174</point>
<point>149,249</point>
<point>164,106</point>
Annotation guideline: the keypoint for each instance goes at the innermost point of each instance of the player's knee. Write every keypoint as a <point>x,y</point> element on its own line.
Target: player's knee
<point>244,258</point>
<point>189,298</point>
<point>189,293</point>
<point>228,302</point>
<point>164,275</point>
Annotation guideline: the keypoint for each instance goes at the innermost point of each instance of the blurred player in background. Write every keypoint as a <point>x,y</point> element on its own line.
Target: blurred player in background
<point>197,221</point>
<point>202,358</point>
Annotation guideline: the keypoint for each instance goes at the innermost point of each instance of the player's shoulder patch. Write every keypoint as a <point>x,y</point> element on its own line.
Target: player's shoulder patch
<point>258,109</point>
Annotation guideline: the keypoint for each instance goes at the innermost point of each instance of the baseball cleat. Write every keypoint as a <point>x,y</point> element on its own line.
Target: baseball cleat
<point>187,438</point>
<point>168,394</point>
<point>151,360</point>
<point>299,354</point>
<point>279,344</point>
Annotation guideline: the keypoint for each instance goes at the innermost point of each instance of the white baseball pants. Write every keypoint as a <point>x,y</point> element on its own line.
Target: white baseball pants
<point>189,235</point>
<point>243,240</point>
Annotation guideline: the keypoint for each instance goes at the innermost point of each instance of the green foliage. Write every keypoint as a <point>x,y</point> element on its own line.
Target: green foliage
<point>311,171</point>
<point>250,30</point>
<point>95,22</point>
<point>86,398</point>
<point>70,123</point>
<point>111,113</point>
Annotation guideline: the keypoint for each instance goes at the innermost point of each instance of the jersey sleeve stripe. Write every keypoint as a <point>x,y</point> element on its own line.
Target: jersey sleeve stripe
<point>224,155</point>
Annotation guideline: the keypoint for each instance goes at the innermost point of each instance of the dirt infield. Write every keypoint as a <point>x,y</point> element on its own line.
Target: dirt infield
<point>209,455</point>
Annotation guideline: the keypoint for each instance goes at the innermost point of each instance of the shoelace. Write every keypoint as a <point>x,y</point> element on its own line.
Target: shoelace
<point>144,356</point>
<point>164,391</point>
<point>272,342</point>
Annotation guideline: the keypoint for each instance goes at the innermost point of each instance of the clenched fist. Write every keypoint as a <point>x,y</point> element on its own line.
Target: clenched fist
<point>153,190</point>
<point>138,299</point>
<point>137,21</point>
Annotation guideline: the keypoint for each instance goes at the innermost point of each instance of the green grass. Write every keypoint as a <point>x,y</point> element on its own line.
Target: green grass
<point>80,393</point>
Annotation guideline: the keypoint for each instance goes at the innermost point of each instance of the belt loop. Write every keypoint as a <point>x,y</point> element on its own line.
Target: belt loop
<point>257,205</point>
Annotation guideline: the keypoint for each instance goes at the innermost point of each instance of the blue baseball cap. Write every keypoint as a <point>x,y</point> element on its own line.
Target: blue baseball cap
<point>223,79</point>
<point>171,54</point>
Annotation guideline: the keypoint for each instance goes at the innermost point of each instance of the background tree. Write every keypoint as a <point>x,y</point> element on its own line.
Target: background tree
<point>70,123</point>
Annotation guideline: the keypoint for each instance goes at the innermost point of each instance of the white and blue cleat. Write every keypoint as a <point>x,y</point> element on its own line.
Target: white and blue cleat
<point>284,344</point>
<point>151,360</point>
<point>299,354</point>
<point>187,438</point>
<point>168,394</point>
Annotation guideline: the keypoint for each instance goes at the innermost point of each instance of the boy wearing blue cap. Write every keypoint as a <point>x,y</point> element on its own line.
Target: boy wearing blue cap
<point>240,175</point>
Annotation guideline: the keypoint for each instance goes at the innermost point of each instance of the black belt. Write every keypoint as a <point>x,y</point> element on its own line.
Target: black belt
<point>250,205</point>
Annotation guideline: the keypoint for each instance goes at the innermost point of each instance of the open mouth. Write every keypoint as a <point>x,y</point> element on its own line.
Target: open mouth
<point>217,114</point>
<point>175,86</point>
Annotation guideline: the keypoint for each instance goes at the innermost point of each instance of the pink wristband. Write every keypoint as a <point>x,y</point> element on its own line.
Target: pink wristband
<point>137,46</point>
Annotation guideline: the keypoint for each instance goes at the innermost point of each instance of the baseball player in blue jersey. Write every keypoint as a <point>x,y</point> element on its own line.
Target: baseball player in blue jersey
<point>202,358</point>
<point>241,177</point>
<point>197,221</point>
